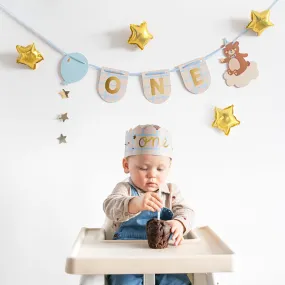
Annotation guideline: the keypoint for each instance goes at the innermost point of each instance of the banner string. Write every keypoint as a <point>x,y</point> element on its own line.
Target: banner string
<point>52,45</point>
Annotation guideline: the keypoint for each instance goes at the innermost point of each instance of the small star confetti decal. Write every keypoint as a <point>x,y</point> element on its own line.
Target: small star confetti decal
<point>140,35</point>
<point>29,55</point>
<point>225,119</point>
<point>64,94</point>
<point>62,139</point>
<point>63,117</point>
<point>259,21</point>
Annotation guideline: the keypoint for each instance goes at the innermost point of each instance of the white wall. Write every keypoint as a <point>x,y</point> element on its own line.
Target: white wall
<point>49,191</point>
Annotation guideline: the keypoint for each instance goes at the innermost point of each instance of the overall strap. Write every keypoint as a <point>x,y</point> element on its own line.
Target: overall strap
<point>134,191</point>
<point>168,203</point>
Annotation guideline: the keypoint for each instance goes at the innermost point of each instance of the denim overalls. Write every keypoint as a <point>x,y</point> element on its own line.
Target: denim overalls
<point>135,228</point>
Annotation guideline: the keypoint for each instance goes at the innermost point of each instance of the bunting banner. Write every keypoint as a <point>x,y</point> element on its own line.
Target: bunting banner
<point>112,84</point>
<point>196,75</point>
<point>156,85</point>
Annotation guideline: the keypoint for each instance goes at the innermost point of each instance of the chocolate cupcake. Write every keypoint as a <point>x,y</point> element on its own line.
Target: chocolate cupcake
<point>158,233</point>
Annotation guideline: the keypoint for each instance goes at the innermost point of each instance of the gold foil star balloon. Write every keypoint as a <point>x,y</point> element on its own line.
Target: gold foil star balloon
<point>29,55</point>
<point>224,119</point>
<point>63,117</point>
<point>62,139</point>
<point>64,94</point>
<point>259,21</point>
<point>140,35</point>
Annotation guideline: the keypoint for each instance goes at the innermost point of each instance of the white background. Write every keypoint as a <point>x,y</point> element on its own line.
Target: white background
<point>50,190</point>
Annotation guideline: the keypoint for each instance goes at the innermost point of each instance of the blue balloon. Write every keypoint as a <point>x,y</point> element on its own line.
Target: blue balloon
<point>74,67</point>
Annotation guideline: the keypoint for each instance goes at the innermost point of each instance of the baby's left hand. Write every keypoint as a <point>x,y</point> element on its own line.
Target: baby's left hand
<point>177,230</point>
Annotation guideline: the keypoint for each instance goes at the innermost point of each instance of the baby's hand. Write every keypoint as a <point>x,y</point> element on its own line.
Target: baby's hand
<point>177,230</point>
<point>148,202</point>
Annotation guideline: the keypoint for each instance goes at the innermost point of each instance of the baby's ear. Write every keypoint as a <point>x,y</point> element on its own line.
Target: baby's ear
<point>125,164</point>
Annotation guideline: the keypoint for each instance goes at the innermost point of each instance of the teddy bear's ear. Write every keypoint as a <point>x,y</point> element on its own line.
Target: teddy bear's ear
<point>236,44</point>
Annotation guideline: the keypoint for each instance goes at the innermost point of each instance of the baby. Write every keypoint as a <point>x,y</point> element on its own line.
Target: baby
<point>148,155</point>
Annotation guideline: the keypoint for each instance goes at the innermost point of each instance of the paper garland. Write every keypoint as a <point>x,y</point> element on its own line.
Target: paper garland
<point>196,75</point>
<point>156,85</point>
<point>112,84</point>
<point>73,67</point>
<point>240,71</point>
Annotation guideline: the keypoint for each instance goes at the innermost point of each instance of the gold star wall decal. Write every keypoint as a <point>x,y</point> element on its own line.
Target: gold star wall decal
<point>225,119</point>
<point>63,117</point>
<point>140,35</point>
<point>29,55</point>
<point>64,94</point>
<point>62,139</point>
<point>259,21</point>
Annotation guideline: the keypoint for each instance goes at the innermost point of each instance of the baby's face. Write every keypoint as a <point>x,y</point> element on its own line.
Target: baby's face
<point>147,171</point>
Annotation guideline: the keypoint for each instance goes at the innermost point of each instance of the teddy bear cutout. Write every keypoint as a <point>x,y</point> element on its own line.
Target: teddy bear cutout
<point>235,60</point>
<point>239,72</point>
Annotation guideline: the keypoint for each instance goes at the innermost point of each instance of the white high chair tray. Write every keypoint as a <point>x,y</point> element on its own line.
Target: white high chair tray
<point>203,252</point>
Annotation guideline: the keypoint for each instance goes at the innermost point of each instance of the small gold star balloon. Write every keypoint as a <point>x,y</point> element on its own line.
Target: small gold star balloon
<point>225,119</point>
<point>29,55</point>
<point>63,117</point>
<point>259,21</point>
<point>61,139</point>
<point>64,94</point>
<point>140,35</point>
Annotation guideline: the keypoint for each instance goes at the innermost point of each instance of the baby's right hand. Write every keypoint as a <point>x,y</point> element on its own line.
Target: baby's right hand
<point>148,202</point>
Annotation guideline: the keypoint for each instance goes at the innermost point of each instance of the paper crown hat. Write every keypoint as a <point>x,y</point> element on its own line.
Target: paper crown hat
<point>148,139</point>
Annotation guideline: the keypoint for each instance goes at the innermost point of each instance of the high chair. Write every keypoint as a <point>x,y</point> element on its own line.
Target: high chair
<point>94,255</point>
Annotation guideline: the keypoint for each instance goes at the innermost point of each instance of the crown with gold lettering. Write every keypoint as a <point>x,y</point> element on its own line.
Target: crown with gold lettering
<point>148,139</point>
